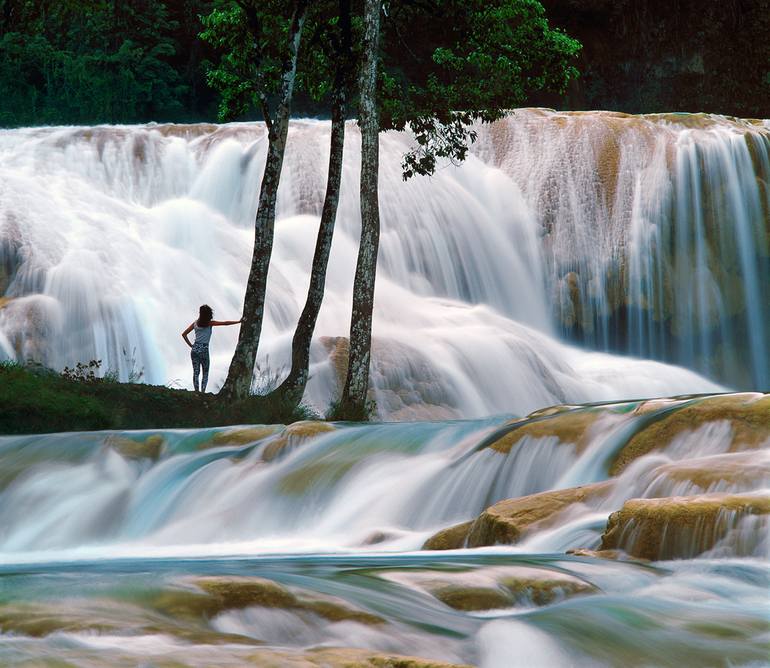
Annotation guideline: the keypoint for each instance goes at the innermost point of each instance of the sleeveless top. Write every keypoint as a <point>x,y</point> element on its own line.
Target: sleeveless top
<point>202,336</point>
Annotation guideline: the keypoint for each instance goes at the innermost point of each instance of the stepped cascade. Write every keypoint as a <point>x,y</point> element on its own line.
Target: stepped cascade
<point>628,533</point>
<point>582,256</point>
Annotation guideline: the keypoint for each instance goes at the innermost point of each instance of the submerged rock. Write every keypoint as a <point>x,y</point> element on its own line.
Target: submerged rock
<point>214,595</point>
<point>286,437</point>
<point>97,616</point>
<point>495,587</point>
<point>507,521</point>
<point>409,387</point>
<point>342,658</point>
<point>732,472</point>
<point>612,555</point>
<point>293,435</point>
<point>682,527</point>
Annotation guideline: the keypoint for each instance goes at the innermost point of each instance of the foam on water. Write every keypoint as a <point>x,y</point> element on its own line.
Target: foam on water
<point>114,235</point>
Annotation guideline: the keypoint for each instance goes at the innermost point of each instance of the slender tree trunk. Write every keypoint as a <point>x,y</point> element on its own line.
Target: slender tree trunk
<point>353,402</point>
<point>292,389</point>
<point>241,372</point>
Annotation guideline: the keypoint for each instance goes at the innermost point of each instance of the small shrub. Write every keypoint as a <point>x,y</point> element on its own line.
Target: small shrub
<point>336,412</point>
<point>266,379</point>
<point>87,372</point>
<point>135,374</point>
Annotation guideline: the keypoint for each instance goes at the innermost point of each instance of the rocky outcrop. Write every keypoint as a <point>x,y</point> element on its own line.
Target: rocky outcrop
<point>285,438</point>
<point>452,538</point>
<point>569,426</point>
<point>732,472</point>
<point>508,521</point>
<point>148,448</point>
<point>747,413</point>
<point>240,436</point>
<point>682,527</point>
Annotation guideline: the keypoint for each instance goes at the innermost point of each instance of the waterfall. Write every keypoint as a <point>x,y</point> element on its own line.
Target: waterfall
<point>564,251</point>
<point>655,231</point>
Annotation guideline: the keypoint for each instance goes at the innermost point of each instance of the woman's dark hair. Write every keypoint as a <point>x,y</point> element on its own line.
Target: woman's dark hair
<point>205,316</point>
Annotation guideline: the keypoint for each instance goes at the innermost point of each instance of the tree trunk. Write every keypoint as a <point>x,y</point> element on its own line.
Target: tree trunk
<point>353,402</point>
<point>292,389</point>
<point>241,372</point>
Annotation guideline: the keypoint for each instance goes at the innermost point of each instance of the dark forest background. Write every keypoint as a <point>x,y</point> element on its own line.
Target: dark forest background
<point>134,61</point>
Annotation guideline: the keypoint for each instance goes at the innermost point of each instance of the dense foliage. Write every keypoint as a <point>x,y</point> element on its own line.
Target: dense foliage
<point>110,61</point>
<point>105,61</point>
<point>488,57</point>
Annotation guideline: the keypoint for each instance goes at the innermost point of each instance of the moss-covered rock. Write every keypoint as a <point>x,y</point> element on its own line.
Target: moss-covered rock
<point>679,527</point>
<point>148,448</point>
<point>507,521</point>
<point>293,435</point>
<point>210,596</point>
<point>568,426</point>
<point>240,436</point>
<point>748,414</point>
<point>95,616</point>
<point>736,471</point>
<point>541,587</point>
<point>451,538</point>
<point>472,599</point>
<point>495,587</point>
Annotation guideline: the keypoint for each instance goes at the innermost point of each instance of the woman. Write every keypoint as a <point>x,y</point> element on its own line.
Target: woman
<point>199,352</point>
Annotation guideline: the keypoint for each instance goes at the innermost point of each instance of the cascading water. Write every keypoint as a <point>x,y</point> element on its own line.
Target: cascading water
<point>655,231</point>
<point>274,546</point>
<point>341,511</point>
<point>111,236</point>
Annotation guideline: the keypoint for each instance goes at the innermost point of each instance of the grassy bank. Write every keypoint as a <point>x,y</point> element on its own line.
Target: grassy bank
<point>37,400</point>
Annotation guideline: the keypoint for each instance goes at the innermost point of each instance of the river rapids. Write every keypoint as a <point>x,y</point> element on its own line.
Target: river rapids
<point>521,504</point>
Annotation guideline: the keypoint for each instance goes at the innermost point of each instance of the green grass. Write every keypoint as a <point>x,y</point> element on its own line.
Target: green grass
<point>36,400</point>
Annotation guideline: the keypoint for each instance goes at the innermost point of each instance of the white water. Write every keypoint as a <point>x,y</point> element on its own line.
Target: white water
<point>115,235</point>
<point>344,514</point>
<point>334,492</point>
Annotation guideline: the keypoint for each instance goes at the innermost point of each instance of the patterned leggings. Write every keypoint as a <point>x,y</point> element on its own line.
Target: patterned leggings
<point>200,358</point>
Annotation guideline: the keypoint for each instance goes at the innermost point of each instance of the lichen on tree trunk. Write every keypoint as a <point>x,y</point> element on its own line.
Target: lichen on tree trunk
<point>352,404</point>
<point>293,387</point>
<point>241,371</point>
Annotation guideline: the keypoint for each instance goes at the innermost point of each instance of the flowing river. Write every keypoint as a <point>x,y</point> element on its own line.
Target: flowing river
<point>573,258</point>
<point>113,545</point>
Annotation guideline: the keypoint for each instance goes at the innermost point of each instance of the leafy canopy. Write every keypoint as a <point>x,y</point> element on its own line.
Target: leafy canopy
<point>107,60</point>
<point>450,63</point>
<point>445,64</point>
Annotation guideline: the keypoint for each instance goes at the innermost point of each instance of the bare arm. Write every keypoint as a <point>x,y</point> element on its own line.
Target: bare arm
<point>220,323</point>
<point>186,332</point>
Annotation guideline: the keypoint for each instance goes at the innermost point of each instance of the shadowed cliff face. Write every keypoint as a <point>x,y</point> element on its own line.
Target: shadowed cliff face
<point>643,56</point>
